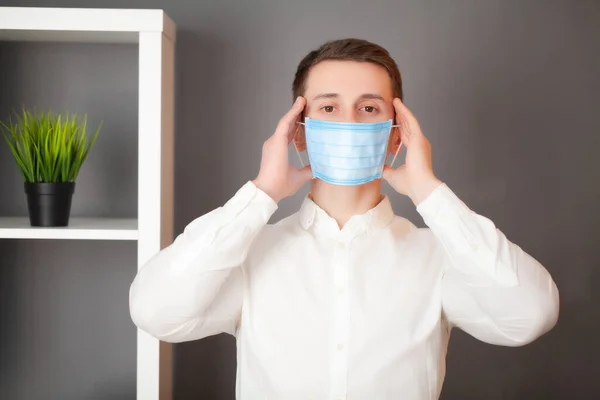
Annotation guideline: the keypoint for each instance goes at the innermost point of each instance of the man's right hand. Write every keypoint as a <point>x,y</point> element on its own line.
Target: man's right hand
<point>277,177</point>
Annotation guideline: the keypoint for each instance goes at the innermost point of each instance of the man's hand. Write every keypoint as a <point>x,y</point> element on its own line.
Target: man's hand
<point>414,179</point>
<point>277,177</point>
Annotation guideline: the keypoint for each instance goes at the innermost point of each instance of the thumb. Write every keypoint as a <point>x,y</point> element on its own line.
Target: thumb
<point>306,173</point>
<point>387,172</point>
<point>394,176</point>
<point>303,175</point>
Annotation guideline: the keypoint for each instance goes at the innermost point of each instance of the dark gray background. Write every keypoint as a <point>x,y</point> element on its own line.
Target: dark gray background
<point>507,92</point>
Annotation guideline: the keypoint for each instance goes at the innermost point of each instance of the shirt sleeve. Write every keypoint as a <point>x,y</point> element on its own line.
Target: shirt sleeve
<point>193,288</point>
<point>491,288</point>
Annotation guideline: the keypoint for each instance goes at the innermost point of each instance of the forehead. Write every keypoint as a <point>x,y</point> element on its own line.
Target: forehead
<point>348,78</point>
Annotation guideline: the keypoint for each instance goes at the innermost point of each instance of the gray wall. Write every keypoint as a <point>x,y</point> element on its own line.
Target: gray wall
<point>505,90</point>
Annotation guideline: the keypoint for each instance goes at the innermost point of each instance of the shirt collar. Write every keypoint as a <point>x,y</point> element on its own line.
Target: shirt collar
<point>379,216</point>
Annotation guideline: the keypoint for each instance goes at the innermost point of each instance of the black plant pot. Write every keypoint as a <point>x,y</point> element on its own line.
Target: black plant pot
<point>49,203</point>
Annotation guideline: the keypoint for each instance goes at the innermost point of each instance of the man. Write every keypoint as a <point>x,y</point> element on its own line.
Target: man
<point>343,299</point>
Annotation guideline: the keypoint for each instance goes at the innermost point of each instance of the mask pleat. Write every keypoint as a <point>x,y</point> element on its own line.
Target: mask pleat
<point>345,153</point>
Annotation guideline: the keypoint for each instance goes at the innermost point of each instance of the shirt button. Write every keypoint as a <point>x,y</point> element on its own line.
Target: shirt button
<point>340,347</point>
<point>340,291</point>
<point>341,246</point>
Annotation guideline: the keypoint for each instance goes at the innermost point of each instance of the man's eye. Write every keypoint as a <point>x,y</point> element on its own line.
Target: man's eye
<point>327,109</point>
<point>369,109</point>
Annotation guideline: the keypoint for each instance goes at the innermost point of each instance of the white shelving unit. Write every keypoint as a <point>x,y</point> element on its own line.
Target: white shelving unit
<point>154,33</point>
<point>79,228</point>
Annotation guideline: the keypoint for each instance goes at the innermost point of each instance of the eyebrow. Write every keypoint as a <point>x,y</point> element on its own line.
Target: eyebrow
<point>371,96</point>
<point>366,96</point>
<point>325,96</point>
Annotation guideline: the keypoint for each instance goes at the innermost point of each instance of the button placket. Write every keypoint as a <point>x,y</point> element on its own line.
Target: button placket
<point>341,266</point>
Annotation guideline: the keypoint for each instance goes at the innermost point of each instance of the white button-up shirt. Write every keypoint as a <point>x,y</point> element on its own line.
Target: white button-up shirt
<point>360,313</point>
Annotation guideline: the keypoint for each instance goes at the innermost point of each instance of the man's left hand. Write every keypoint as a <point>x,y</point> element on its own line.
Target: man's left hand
<point>415,178</point>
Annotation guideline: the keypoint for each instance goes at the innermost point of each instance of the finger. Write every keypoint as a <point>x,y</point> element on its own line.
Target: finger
<point>404,114</point>
<point>404,128</point>
<point>387,172</point>
<point>306,171</point>
<point>287,123</point>
<point>408,124</point>
<point>405,135</point>
<point>304,175</point>
<point>393,175</point>
<point>300,139</point>
<point>399,111</point>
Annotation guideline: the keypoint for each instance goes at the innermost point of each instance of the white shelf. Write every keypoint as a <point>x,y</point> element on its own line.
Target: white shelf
<point>82,24</point>
<point>79,228</point>
<point>154,34</point>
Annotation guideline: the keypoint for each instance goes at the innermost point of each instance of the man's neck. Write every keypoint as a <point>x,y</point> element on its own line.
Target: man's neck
<point>342,202</point>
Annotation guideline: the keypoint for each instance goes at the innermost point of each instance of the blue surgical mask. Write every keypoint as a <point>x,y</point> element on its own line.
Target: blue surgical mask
<point>347,153</point>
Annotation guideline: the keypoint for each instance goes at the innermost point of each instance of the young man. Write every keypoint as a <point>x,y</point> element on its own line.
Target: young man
<point>344,300</point>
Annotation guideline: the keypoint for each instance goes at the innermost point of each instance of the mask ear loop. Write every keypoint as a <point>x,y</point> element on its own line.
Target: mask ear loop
<point>296,147</point>
<point>397,150</point>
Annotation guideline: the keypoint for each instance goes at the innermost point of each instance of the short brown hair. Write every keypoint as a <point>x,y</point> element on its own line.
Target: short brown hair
<point>351,50</point>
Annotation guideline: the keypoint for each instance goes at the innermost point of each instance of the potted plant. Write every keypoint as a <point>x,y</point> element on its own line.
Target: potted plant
<point>49,150</point>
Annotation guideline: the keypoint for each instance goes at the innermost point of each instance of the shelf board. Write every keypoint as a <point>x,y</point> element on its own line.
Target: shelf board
<point>79,228</point>
<point>81,24</point>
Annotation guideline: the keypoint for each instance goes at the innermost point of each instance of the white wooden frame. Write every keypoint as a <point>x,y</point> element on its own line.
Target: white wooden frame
<point>154,31</point>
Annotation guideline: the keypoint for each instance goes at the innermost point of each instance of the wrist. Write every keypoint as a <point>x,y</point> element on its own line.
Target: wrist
<point>268,191</point>
<point>423,189</point>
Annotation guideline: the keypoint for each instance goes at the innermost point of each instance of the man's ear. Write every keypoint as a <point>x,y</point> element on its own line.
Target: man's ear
<point>300,138</point>
<point>395,140</point>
